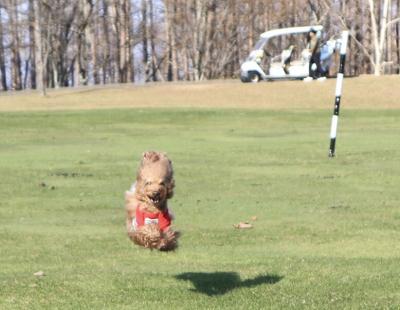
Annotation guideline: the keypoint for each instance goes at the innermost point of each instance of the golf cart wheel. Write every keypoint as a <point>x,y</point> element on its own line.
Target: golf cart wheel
<point>244,79</point>
<point>254,77</point>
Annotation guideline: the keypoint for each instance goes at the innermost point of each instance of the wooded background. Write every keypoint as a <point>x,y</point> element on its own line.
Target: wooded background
<point>57,43</point>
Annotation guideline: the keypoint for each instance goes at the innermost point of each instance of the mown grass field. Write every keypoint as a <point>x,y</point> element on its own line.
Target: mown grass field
<point>327,233</point>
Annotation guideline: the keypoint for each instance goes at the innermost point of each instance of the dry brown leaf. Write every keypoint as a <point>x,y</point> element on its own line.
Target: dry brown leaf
<point>243,225</point>
<point>39,274</point>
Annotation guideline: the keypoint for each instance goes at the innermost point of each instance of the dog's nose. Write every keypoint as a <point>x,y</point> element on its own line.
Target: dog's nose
<point>155,195</point>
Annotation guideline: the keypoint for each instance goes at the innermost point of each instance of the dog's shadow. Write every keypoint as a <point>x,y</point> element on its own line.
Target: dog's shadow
<point>219,283</point>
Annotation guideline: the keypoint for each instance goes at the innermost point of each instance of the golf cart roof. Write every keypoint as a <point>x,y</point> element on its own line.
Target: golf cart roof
<point>291,30</point>
<point>264,37</point>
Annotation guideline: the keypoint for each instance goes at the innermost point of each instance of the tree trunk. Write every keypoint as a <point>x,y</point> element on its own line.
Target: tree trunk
<point>199,38</point>
<point>170,11</point>
<point>32,51</point>
<point>398,39</point>
<point>129,55</point>
<point>383,30</point>
<point>81,67</point>
<point>154,65</point>
<point>123,31</point>
<point>15,47</point>
<point>3,71</point>
<point>92,34</point>
<point>106,61</point>
<point>234,39</point>
<point>211,40</point>
<point>359,37</point>
<point>388,54</point>
<point>379,33</point>
<point>145,52</point>
<point>39,55</point>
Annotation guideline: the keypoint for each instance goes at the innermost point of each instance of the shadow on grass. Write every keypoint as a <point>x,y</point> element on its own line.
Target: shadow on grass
<point>219,283</point>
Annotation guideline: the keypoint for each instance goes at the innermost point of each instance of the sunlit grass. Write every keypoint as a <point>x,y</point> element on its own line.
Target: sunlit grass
<point>367,92</point>
<point>326,235</point>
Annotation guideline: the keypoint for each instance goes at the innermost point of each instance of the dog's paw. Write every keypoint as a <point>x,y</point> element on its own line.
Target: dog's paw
<point>148,236</point>
<point>171,234</point>
<point>169,240</point>
<point>167,245</point>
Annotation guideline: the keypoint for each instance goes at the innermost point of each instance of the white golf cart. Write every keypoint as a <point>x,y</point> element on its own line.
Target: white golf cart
<point>268,61</point>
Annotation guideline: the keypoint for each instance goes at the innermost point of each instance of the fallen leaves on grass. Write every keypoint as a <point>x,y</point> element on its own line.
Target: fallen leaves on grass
<point>243,225</point>
<point>246,224</point>
<point>39,273</point>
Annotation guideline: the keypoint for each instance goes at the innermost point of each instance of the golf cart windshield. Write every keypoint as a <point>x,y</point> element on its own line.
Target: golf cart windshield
<point>261,43</point>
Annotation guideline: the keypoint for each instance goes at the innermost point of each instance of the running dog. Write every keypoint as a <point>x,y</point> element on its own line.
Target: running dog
<point>148,219</point>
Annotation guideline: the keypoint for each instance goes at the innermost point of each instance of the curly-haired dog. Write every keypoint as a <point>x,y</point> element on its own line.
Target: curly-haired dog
<point>148,219</point>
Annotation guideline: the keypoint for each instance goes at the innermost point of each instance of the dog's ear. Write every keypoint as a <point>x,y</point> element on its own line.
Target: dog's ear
<point>151,156</point>
<point>163,156</point>
<point>170,188</point>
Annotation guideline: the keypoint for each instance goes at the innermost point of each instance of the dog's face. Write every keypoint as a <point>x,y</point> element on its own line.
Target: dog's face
<point>154,182</point>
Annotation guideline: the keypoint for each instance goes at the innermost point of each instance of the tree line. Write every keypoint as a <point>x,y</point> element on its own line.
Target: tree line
<point>57,43</point>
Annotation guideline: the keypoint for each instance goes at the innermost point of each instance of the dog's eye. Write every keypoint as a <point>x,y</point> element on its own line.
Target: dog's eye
<point>147,183</point>
<point>162,183</point>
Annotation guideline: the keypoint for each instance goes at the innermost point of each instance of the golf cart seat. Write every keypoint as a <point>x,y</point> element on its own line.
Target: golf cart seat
<point>297,63</point>
<point>292,63</point>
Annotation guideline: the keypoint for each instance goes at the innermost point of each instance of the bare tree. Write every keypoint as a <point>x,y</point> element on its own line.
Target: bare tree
<point>380,22</point>
<point>123,30</point>
<point>45,43</point>
<point>93,40</point>
<point>397,40</point>
<point>170,16</point>
<point>40,68</point>
<point>3,70</point>
<point>155,62</point>
<point>106,43</point>
<point>15,45</point>
<point>144,34</point>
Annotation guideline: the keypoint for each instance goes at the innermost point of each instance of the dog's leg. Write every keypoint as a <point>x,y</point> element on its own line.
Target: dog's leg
<point>148,236</point>
<point>130,208</point>
<point>169,240</point>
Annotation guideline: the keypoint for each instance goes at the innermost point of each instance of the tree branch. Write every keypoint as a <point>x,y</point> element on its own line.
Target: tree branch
<point>393,21</point>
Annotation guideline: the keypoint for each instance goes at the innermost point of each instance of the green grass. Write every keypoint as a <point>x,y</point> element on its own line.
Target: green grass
<point>327,233</point>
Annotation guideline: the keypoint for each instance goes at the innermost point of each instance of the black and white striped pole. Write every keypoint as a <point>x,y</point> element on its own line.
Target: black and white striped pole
<point>338,93</point>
